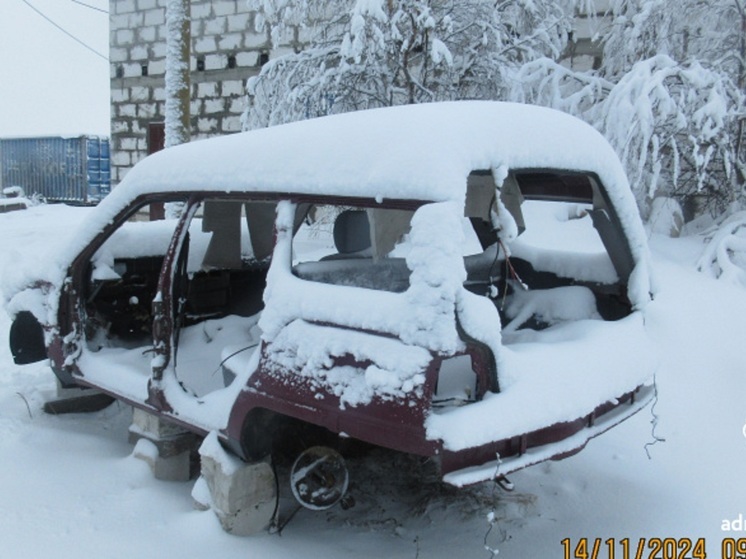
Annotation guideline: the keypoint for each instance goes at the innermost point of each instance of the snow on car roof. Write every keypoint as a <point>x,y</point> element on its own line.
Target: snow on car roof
<point>413,152</point>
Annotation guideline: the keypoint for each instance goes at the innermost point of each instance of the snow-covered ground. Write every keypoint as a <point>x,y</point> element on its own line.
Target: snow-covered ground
<point>70,487</point>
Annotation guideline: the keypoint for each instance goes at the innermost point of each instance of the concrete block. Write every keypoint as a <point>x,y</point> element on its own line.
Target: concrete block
<point>125,37</point>
<point>256,40</point>
<point>167,448</point>
<point>119,22</point>
<point>120,95</point>
<point>205,44</point>
<point>146,110</point>
<point>146,34</point>
<point>224,7</point>
<point>128,109</point>
<point>215,61</point>
<point>117,54</point>
<point>196,26</point>
<point>121,159</point>
<point>209,89</point>
<point>156,16</point>
<point>214,106</point>
<point>132,70</point>
<point>230,42</point>
<point>233,88</point>
<point>119,126</point>
<point>215,26</point>
<point>239,22</point>
<point>201,11</point>
<point>135,20</point>
<point>232,124</point>
<point>153,426</point>
<point>207,124</point>
<point>172,468</point>
<point>139,53</point>
<point>237,105</point>
<point>129,144</point>
<point>157,67</point>
<point>247,59</point>
<point>242,495</point>
<point>159,50</point>
<point>140,93</point>
<point>125,6</point>
<point>146,4</point>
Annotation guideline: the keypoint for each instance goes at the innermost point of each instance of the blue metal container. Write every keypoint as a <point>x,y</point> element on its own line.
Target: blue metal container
<point>75,170</point>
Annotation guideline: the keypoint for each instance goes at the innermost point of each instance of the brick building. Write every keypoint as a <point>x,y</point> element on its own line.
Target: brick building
<point>225,51</point>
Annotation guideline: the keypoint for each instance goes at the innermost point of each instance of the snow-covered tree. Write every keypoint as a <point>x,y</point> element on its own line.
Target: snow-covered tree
<point>669,96</point>
<point>373,53</point>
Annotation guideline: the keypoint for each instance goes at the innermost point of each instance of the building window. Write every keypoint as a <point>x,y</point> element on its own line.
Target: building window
<point>231,61</point>
<point>119,72</point>
<point>263,58</point>
<point>144,69</point>
<point>200,64</point>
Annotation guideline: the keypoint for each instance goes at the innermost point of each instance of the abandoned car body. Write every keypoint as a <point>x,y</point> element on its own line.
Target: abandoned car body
<point>463,281</point>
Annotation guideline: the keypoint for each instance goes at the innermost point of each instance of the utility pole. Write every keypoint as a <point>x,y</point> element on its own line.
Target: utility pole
<point>178,87</point>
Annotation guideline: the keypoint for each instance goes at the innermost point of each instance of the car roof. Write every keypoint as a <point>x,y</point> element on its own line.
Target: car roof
<point>422,152</point>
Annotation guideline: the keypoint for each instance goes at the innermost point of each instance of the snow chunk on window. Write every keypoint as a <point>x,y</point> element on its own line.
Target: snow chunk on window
<point>437,275</point>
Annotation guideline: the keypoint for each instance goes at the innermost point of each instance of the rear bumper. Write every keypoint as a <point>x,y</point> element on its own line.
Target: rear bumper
<point>595,425</point>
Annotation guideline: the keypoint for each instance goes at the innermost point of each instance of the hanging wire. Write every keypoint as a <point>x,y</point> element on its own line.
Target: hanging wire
<point>42,14</point>
<point>91,7</point>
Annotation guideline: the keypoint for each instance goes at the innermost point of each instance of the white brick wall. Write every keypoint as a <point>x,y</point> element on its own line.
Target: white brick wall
<point>220,29</point>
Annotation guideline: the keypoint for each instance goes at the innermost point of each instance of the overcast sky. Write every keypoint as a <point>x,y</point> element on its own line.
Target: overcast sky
<point>50,84</point>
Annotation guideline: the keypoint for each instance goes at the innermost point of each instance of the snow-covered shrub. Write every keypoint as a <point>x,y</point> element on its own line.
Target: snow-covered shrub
<point>725,254</point>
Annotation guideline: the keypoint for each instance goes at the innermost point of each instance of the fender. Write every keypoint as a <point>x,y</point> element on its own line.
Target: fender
<point>27,339</point>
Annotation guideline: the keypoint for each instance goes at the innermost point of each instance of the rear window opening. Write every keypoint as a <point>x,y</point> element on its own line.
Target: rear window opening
<point>457,382</point>
<point>353,246</point>
<point>569,259</point>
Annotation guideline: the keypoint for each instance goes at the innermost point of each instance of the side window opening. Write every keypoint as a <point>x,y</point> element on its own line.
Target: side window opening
<point>568,261</point>
<point>122,280</point>
<point>353,246</point>
<point>218,284</point>
<point>230,244</point>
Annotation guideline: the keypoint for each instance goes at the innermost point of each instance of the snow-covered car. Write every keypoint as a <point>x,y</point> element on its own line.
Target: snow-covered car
<point>463,281</point>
